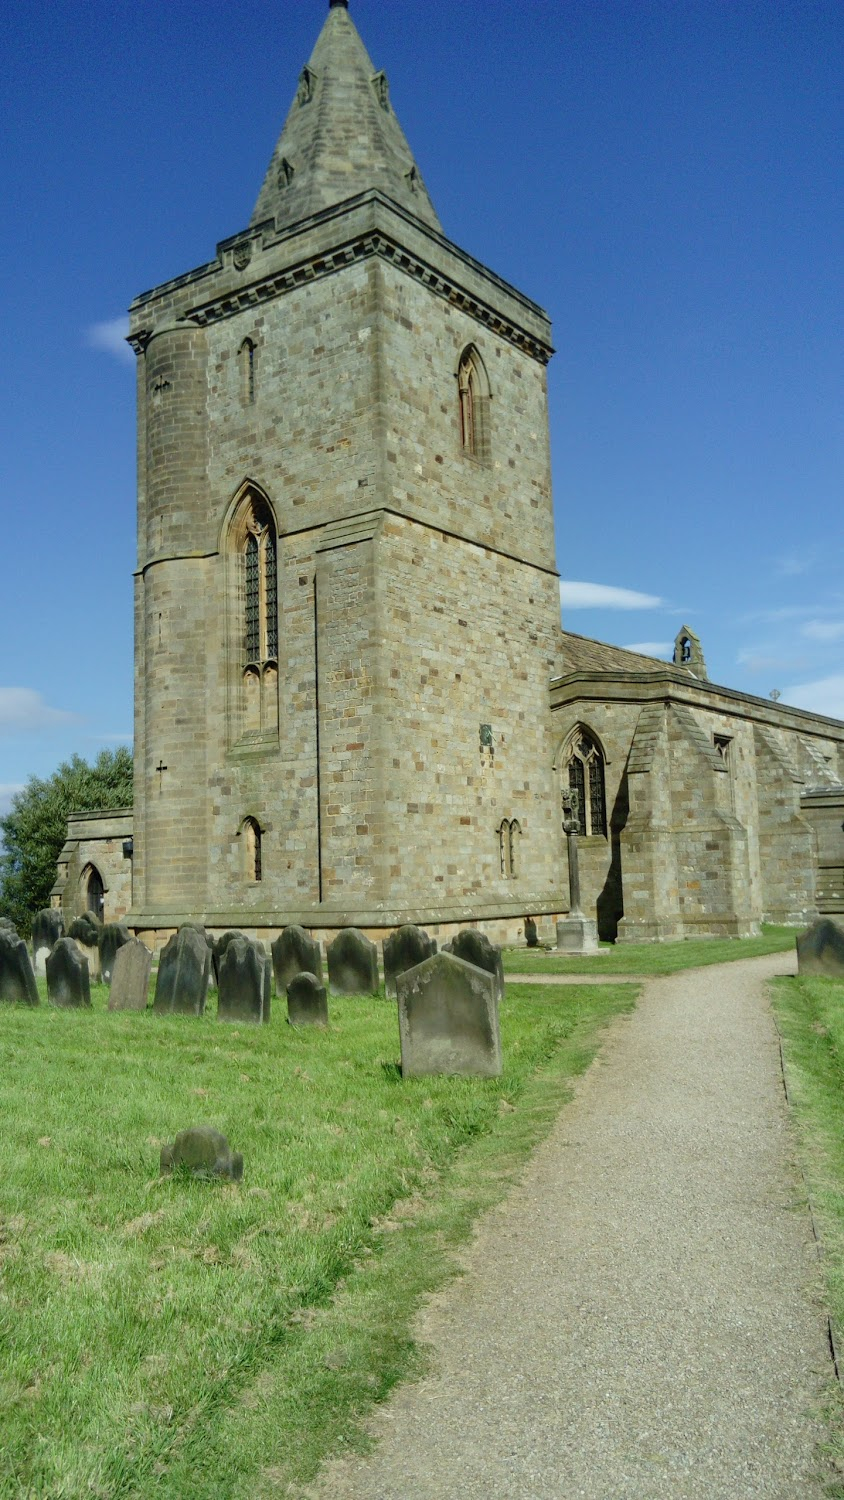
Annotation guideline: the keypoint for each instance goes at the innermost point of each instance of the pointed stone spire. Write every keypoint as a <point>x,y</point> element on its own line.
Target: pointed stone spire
<point>341,136</point>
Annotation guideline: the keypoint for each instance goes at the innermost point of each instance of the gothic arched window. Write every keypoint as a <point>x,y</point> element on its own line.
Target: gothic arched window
<point>94,891</point>
<point>473,394</point>
<point>252,849</point>
<point>253,545</point>
<point>584,773</point>
<point>247,371</point>
<point>509,834</point>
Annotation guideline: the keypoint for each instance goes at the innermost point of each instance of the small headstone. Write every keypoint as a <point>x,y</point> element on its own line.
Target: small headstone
<point>352,964</point>
<point>130,977</point>
<point>404,949</point>
<point>475,948</point>
<point>85,931</point>
<point>531,934</point>
<point>307,1001</point>
<point>218,947</point>
<point>112,937</point>
<point>17,981</point>
<point>203,1152</point>
<point>183,971</point>
<point>8,925</point>
<point>47,928</point>
<point>243,982</point>
<point>820,950</point>
<point>448,1019</point>
<point>67,975</point>
<point>294,952</point>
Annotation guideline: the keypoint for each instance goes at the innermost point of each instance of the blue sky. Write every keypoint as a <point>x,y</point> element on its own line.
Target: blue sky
<point>662,175</point>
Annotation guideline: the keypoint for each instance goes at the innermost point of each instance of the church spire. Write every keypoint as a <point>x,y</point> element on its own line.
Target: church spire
<point>341,136</point>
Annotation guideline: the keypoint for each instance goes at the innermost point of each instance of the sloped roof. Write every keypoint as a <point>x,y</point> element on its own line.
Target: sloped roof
<point>581,654</point>
<point>341,136</point>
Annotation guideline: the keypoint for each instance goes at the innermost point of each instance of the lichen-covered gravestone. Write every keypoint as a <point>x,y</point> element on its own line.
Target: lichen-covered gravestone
<point>448,1019</point>
<point>17,981</point>
<point>203,1152</point>
<point>475,948</point>
<point>47,928</point>
<point>68,983</point>
<point>85,931</point>
<point>183,971</point>
<point>295,952</point>
<point>307,1002</point>
<point>243,982</point>
<point>820,950</point>
<point>112,938</point>
<point>352,964</point>
<point>218,948</point>
<point>130,977</point>
<point>404,949</point>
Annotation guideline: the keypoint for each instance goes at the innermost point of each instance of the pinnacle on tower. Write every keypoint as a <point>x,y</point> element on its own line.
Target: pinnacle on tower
<point>341,136</point>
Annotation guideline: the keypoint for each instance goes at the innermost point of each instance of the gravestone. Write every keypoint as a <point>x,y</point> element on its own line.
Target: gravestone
<point>307,1001</point>
<point>184,967</point>
<point>85,931</point>
<point>294,952</point>
<point>218,947</point>
<point>448,1019</point>
<point>17,981</point>
<point>352,964</point>
<point>203,1152</point>
<point>8,926</point>
<point>404,949</point>
<point>47,928</point>
<point>475,948</point>
<point>820,950</point>
<point>244,982</point>
<point>531,934</point>
<point>130,977</point>
<point>68,983</point>
<point>112,937</point>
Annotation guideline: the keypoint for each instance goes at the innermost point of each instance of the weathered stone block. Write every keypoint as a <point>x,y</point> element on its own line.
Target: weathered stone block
<point>203,1152</point>
<point>130,977</point>
<point>352,964</point>
<point>405,949</point>
<point>448,1019</point>
<point>295,952</point>
<point>307,1001</point>
<point>577,934</point>
<point>17,981</point>
<point>68,982</point>
<point>183,972</point>
<point>820,950</point>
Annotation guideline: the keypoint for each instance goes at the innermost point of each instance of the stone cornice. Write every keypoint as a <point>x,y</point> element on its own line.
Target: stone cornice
<point>620,686</point>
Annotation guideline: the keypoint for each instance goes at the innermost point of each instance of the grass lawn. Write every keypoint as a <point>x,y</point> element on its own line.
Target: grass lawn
<point>810,1016</point>
<point>205,1340</point>
<point>652,958</point>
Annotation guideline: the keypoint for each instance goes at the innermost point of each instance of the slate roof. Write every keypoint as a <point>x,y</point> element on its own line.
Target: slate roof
<point>341,136</point>
<point>581,654</point>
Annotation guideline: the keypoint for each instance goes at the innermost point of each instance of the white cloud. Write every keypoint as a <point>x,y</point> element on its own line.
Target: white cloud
<point>22,711</point>
<point>8,790</point>
<point>826,696</point>
<point>652,648</point>
<point>111,338</point>
<point>604,596</point>
<point>823,630</point>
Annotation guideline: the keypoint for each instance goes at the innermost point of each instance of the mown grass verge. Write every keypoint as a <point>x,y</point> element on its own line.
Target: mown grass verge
<point>810,1017</point>
<point>183,1338</point>
<point>652,958</point>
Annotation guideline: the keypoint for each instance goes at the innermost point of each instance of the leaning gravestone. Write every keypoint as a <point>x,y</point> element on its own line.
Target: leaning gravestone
<point>47,928</point>
<point>294,952</point>
<point>68,983</point>
<point>448,1019</point>
<point>820,950</point>
<point>404,949</point>
<point>17,981</point>
<point>475,948</point>
<point>85,931</point>
<point>202,1152</point>
<point>307,1002</point>
<point>183,971</point>
<point>130,977</point>
<point>352,964</point>
<point>111,939</point>
<point>244,982</point>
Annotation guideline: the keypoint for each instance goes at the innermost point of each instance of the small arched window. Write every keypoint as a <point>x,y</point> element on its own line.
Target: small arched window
<point>252,849</point>
<point>586,786</point>
<point>94,891</point>
<point>247,371</point>
<point>509,834</point>
<point>473,394</point>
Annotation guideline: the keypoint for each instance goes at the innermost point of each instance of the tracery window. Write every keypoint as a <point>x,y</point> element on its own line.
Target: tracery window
<point>473,393</point>
<point>254,627</point>
<point>585,776</point>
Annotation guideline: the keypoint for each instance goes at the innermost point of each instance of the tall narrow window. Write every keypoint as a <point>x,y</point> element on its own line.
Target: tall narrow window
<point>247,371</point>
<point>509,835</point>
<point>252,849</point>
<point>473,394</point>
<point>254,629</point>
<point>95,892</point>
<point>260,594</point>
<point>585,777</point>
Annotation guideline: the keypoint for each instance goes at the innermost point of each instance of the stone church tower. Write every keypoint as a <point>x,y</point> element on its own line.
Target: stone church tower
<point>347,604</point>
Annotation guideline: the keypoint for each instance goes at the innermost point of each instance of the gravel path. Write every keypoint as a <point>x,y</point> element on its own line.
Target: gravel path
<point>641,1318</point>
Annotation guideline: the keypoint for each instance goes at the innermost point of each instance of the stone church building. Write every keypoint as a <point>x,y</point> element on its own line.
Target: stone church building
<point>354,702</point>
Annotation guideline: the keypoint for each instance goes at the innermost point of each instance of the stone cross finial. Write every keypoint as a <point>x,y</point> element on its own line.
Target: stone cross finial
<point>344,3</point>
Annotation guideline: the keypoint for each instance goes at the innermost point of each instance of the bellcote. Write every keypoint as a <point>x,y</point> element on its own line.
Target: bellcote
<point>341,136</point>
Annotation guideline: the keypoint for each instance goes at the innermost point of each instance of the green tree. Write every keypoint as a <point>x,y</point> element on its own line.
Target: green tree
<point>35,830</point>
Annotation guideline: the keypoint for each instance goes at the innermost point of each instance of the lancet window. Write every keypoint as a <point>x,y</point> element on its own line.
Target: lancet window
<point>254,631</point>
<point>247,372</point>
<point>473,394</point>
<point>252,849</point>
<point>584,774</point>
<point>509,834</point>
